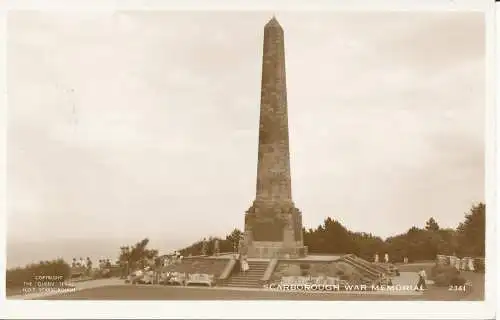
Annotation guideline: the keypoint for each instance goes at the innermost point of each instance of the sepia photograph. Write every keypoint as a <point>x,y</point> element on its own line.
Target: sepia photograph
<point>256,155</point>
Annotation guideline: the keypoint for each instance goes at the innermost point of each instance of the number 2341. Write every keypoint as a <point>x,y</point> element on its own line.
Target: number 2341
<point>457,288</point>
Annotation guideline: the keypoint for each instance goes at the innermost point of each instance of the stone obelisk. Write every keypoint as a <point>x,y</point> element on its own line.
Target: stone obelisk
<point>273,225</point>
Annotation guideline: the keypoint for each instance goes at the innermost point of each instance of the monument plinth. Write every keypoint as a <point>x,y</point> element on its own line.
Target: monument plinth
<point>273,225</point>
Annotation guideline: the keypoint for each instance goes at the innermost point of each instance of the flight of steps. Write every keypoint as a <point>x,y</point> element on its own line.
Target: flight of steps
<point>370,272</point>
<point>251,279</point>
<point>372,266</point>
<point>386,267</point>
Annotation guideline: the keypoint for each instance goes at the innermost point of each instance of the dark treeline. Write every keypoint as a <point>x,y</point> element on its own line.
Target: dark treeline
<point>331,237</point>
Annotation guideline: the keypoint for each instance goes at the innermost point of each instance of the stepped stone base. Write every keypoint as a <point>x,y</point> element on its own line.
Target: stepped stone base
<point>273,230</point>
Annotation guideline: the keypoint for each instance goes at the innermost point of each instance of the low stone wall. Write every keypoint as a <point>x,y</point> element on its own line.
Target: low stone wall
<point>461,264</point>
<point>199,265</point>
<point>337,269</point>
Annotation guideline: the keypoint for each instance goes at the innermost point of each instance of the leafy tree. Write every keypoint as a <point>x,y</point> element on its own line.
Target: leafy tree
<point>431,225</point>
<point>472,232</point>
<point>234,238</point>
<point>137,255</point>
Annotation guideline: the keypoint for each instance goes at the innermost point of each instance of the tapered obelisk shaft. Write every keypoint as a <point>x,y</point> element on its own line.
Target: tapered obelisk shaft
<point>273,225</point>
<point>273,172</point>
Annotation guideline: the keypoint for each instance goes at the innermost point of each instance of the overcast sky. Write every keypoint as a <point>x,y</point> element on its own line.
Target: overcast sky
<point>146,123</point>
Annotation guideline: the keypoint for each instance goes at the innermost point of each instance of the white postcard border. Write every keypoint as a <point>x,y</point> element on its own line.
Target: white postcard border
<point>265,309</point>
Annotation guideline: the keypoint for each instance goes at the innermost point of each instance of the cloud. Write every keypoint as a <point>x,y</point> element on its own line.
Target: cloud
<point>154,116</point>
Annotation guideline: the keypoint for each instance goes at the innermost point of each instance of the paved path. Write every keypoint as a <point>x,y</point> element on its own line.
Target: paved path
<point>406,278</point>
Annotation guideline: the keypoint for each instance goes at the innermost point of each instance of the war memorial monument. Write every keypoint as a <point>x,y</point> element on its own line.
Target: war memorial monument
<point>273,225</point>
<point>272,243</point>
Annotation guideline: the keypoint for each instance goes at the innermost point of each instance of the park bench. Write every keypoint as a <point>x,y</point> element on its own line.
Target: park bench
<point>78,272</point>
<point>178,278</point>
<point>203,279</point>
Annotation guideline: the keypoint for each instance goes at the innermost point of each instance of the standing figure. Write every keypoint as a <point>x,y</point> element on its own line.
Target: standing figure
<point>123,269</point>
<point>244,265</point>
<point>376,258</point>
<point>421,285</point>
<point>204,248</point>
<point>89,266</point>
<point>386,258</point>
<point>470,262</point>
<point>242,247</point>
<point>216,247</point>
<point>405,260</point>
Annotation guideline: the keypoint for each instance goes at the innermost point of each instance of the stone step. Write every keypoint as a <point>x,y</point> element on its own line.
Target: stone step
<point>263,266</point>
<point>369,274</point>
<point>244,286</point>
<point>365,269</point>
<point>372,266</point>
<point>245,280</point>
<point>249,279</point>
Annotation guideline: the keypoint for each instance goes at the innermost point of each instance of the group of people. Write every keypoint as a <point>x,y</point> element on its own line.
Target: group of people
<point>87,263</point>
<point>376,258</point>
<point>386,258</point>
<point>152,268</point>
<point>104,264</point>
<point>174,258</point>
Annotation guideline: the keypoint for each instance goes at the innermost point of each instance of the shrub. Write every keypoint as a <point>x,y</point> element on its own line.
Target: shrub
<point>344,277</point>
<point>479,265</point>
<point>447,269</point>
<point>443,275</point>
<point>18,276</point>
<point>442,280</point>
<point>305,266</point>
<point>457,280</point>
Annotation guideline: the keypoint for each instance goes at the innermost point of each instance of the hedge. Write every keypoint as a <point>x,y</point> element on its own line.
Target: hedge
<point>445,275</point>
<point>16,277</point>
<point>479,265</point>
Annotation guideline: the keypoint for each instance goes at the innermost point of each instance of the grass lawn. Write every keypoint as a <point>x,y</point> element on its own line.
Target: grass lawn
<point>131,292</point>
<point>171,293</point>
